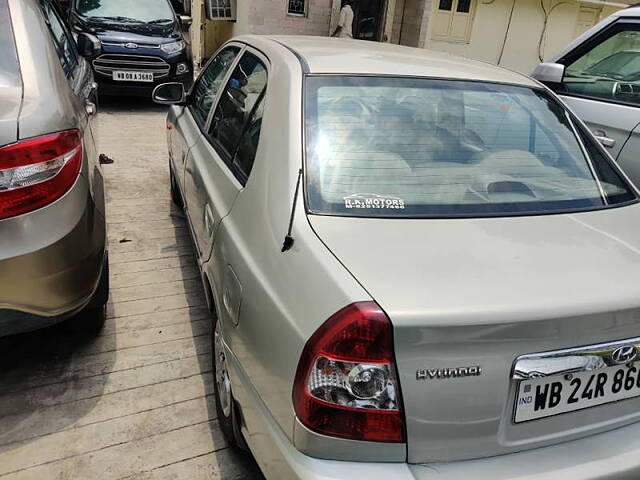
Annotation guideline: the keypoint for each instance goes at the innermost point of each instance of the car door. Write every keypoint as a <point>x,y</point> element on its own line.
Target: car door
<point>188,124</point>
<point>213,174</point>
<point>601,85</point>
<point>629,157</point>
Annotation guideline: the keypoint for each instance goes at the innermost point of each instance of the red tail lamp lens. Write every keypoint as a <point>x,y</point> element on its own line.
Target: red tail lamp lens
<point>346,384</point>
<point>38,171</point>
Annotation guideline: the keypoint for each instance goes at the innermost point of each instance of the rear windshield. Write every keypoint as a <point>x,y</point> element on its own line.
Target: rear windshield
<point>380,146</point>
<point>126,10</point>
<point>9,72</point>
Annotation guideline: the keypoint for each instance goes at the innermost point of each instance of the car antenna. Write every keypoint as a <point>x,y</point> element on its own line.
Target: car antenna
<point>288,239</point>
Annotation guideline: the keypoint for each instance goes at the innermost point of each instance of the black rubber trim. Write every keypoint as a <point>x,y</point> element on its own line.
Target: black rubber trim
<point>303,63</point>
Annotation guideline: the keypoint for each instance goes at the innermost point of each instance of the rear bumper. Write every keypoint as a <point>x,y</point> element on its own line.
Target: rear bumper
<point>607,456</point>
<point>51,263</point>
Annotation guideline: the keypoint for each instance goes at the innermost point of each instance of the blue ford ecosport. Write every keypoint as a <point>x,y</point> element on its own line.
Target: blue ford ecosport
<point>141,43</point>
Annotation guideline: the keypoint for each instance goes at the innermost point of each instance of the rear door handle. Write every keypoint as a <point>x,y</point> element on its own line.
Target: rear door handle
<point>606,141</point>
<point>601,136</point>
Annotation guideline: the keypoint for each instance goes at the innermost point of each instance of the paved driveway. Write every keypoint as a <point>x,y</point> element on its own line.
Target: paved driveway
<point>136,401</point>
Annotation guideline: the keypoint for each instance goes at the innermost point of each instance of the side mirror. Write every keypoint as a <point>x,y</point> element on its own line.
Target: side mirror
<point>185,20</point>
<point>88,45</point>
<point>172,93</point>
<point>549,73</point>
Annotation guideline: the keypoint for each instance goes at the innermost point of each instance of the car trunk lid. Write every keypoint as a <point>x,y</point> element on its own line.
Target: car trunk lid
<point>479,293</point>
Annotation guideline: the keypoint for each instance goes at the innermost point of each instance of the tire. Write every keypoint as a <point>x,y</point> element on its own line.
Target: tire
<point>176,198</point>
<point>226,408</point>
<point>92,319</point>
<point>94,315</point>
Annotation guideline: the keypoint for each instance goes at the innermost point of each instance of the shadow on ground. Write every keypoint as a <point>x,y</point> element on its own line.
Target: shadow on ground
<point>58,369</point>
<point>123,104</point>
<point>232,463</point>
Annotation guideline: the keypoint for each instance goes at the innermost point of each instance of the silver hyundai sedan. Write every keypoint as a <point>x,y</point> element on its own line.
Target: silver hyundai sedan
<point>53,261</point>
<point>420,267</point>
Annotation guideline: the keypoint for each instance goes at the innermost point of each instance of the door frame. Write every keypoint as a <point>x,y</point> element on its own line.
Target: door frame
<point>381,21</point>
<point>380,33</point>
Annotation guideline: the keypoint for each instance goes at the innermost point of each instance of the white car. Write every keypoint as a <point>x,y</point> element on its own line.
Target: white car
<point>598,77</point>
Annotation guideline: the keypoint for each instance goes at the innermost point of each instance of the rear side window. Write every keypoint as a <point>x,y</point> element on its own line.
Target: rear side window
<point>64,43</point>
<point>207,86</point>
<point>9,71</point>
<point>248,146</point>
<point>238,108</point>
<point>442,148</point>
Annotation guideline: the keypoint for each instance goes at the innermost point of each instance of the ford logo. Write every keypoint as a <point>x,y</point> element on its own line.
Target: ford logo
<point>624,354</point>
<point>131,45</point>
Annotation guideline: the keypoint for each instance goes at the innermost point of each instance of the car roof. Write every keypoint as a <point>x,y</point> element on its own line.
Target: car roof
<point>326,55</point>
<point>628,12</point>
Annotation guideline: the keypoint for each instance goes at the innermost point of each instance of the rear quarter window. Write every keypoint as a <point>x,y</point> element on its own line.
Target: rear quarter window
<point>9,71</point>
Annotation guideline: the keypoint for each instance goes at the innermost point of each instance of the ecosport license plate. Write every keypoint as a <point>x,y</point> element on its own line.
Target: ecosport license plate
<point>124,76</point>
<point>574,379</point>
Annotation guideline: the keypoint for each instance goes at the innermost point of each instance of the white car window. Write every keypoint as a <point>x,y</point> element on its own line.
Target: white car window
<point>398,146</point>
<point>207,86</point>
<point>65,46</point>
<point>610,69</point>
<point>236,111</point>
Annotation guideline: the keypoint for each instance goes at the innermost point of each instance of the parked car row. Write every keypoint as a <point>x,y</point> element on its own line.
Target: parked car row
<point>418,266</point>
<point>132,46</point>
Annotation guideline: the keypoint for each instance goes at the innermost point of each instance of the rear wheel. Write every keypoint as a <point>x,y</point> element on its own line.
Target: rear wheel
<point>92,319</point>
<point>226,408</point>
<point>93,316</point>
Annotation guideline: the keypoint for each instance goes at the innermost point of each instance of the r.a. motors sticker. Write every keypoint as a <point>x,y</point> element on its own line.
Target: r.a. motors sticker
<point>371,201</point>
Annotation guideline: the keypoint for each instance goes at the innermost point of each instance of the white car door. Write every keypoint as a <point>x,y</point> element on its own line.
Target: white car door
<point>601,84</point>
<point>629,157</point>
<point>214,174</point>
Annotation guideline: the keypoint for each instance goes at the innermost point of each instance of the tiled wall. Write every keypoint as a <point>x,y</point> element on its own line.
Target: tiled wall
<point>270,17</point>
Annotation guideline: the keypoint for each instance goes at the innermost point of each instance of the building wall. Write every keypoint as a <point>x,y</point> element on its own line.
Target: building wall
<point>268,17</point>
<point>522,45</point>
<point>409,22</point>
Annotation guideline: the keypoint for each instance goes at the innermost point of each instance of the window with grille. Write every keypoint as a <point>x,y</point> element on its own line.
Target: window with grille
<point>453,20</point>
<point>221,9</point>
<point>297,7</point>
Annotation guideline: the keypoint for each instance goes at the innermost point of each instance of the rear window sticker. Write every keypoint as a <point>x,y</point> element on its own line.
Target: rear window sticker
<point>372,201</point>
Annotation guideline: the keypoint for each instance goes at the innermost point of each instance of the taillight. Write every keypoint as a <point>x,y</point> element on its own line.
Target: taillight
<point>346,384</point>
<point>37,171</point>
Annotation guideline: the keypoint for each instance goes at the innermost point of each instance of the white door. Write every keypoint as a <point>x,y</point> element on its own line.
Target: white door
<point>602,86</point>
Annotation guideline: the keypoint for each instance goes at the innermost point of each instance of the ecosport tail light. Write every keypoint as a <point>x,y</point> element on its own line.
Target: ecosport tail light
<point>37,171</point>
<point>346,384</point>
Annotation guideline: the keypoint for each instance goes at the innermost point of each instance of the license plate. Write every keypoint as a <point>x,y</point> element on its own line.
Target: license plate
<point>123,76</point>
<point>544,397</point>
